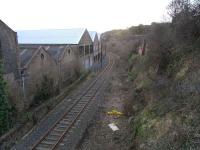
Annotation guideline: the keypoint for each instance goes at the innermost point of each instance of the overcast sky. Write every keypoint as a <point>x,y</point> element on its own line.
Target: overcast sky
<point>98,15</point>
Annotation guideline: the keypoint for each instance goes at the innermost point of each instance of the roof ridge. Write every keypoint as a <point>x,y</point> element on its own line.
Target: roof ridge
<point>51,36</point>
<point>50,29</point>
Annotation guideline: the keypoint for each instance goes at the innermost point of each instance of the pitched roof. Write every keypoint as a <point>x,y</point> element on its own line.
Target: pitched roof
<point>56,51</point>
<point>92,34</point>
<point>26,55</point>
<point>4,24</point>
<point>51,36</point>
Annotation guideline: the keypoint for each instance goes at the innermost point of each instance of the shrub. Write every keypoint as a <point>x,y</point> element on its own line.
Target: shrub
<point>185,20</point>
<point>45,90</point>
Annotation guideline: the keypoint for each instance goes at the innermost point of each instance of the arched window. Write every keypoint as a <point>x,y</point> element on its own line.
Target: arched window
<point>69,51</point>
<point>42,56</point>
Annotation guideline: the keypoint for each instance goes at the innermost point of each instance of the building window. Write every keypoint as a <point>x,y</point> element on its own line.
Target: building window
<point>81,50</point>
<point>87,48</point>
<point>91,48</point>
<point>69,52</point>
<point>22,73</point>
<point>42,56</point>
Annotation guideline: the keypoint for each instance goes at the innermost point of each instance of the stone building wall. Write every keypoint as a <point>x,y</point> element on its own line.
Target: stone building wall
<point>68,64</point>
<point>10,57</point>
<point>41,65</point>
<point>87,59</point>
<point>22,87</point>
<point>85,39</point>
<point>62,70</point>
<point>9,50</point>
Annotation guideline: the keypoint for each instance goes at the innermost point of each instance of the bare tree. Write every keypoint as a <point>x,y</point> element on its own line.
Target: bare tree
<point>185,20</point>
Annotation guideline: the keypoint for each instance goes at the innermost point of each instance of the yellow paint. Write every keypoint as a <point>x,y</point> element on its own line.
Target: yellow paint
<point>114,112</point>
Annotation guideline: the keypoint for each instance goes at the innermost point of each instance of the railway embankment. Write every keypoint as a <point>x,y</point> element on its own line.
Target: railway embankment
<point>159,90</point>
<point>98,134</point>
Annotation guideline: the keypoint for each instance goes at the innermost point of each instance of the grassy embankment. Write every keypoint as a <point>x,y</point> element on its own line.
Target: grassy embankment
<point>163,105</point>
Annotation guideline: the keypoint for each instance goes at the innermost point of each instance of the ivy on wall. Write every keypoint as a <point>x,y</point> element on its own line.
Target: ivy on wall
<point>5,120</point>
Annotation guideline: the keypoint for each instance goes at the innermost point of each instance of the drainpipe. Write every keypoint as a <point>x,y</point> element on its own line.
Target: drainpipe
<point>84,56</point>
<point>23,86</point>
<point>23,83</point>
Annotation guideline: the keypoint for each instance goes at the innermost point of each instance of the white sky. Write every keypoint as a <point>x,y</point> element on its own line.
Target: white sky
<point>98,15</point>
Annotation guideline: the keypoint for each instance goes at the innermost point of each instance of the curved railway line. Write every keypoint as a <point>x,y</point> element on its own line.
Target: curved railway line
<point>54,137</point>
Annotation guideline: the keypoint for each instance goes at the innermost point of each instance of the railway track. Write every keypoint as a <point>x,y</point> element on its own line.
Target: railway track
<point>54,137</point>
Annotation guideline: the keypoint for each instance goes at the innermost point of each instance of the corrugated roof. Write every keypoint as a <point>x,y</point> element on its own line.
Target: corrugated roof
<point>92,34</point>
<point>52,36</point>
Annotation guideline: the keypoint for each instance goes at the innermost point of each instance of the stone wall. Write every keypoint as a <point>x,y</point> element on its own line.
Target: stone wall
<point>63,72</point>
<point>68,66</point>
<point>22,89</point>
<point>86,39</point>
<point>41,65</point>
<point>14,91</point>
<point>10,57</point>
<point>9,49</point>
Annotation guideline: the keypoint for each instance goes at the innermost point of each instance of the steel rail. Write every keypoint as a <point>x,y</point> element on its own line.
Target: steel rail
<point>77,101</point>
<point>76,118</point>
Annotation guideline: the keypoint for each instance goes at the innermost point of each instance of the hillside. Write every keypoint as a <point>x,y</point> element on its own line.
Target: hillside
<point>163,105</point>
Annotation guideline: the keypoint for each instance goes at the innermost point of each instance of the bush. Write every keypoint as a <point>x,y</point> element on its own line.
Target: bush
<point>45,90</point>
<point>185,20</point>
<point>139,30</point>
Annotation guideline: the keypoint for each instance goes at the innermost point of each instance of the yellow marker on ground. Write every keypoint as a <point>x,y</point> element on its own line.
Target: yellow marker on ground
<point>114,113</point>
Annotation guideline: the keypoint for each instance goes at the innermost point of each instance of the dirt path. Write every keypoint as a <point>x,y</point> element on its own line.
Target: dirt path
<point>98,135</point>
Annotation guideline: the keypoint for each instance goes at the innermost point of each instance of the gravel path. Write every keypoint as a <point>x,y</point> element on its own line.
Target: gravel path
<point>98,135</point>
